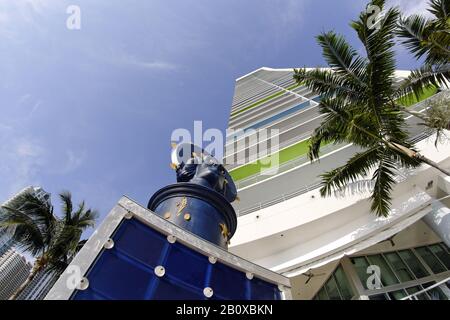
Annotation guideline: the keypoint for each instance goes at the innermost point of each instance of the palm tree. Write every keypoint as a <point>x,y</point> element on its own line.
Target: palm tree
<point>437,116</point>
<point>359,101</point>
<point>428,37</point>
<point>52,240</point>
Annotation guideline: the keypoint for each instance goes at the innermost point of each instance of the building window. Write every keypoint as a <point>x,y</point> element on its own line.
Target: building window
<point>406,271</point>
<point>432,261</point>
<point>336,287</point>
<point>411,267</point>
<point>413,263</point>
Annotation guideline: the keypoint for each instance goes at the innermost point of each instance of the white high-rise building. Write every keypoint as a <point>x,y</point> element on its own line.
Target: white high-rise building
<point>14,270</point>
<point>6,242</point>
<point>334,247</point>
<point>41,284</point>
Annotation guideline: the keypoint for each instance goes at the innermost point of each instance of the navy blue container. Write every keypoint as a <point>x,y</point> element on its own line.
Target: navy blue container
<point>197,209</point>
<point>127,271</point>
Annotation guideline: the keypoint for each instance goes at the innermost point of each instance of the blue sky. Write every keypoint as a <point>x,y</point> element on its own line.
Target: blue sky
<point>92,110</point>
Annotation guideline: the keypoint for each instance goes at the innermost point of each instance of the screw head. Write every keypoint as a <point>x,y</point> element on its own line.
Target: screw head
<point>187,216</point>
<point>83,284</point>
<point>249,275</point>
<point>109,244</point>
<point>171,238</point>
<point>128,215</point>
<point>212,260</point>
<point>160,271</point>
<point>167,215</point>
<point>208,292</point>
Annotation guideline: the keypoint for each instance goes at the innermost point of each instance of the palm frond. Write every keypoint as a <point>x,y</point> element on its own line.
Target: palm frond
<point>428,37</point>
<point>356,167</point>
<point>343,59</point>
<point>67,206</point>
<point>25,230</point>
<point>328,84</point>
<point>440,9</point>
<point>424,77</point>
<point>412,32</point>
<point>384,180</point>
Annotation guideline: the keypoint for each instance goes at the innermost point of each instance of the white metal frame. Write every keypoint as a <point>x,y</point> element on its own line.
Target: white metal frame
<point>127,209</point>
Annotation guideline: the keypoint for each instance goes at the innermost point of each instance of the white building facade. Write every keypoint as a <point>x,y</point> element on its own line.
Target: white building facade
<point>41,284</point>
<point>6,242</point>
<point>14,270</point>
<point>334,247</point>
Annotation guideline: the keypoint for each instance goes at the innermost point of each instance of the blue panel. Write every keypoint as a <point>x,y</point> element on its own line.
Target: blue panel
<point>186,265</point>
<point>170,289</point>
<point>140,242</point>
<point>126,271</point>
<point>262,290</point>
<point>229,283</point>
<point>273,118</point>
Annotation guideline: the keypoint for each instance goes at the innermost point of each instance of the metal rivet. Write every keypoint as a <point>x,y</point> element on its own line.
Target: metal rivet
<point>208,292</point>
<point>109,244</point>
<point>160,271</point>
<point>212,260</point>
<point>167,215</point>
<point>281,287</point>
<point>249,275</point>
<point>83,284</point>
<point>171,238</point>
<point>128,215</point>
<point>187,216</point>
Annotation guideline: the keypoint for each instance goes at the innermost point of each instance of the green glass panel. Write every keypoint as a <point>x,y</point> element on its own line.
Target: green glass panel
<point>360,264</point>
<point>441,254</point>
<point>378,297</point>
<point>435,293</point>
<point>400,269</point>
<point>431,260</point>
<point>413,263</point>
<point>322,295</point>
<point>387,276</point>
<point>422,296</point>
<point>332,289</point>
<point>343,284</point>
<point>397,295</point>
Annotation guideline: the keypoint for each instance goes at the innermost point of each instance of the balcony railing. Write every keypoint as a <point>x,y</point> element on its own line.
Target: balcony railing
<point>306,188</point>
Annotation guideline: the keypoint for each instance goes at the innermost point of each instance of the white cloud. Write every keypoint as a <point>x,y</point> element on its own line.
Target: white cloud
<point>28,149</point>
<point>73,161</point>
<point>153,65</point>
<point>14,14</point>
<point>409,7</point>
<point>291,12</point>
<point>22,158</point>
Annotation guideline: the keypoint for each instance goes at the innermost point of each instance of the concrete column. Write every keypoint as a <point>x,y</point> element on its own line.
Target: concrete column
<point>439,221</point>
<point>444,184</point>
<point>355,282</point>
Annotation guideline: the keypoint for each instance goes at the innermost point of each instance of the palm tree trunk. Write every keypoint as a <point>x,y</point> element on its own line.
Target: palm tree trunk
<point>398,147</point>
<point>24,285</point>
<point>414,113</point>
<point>431,163</point>
<point>418,156</point>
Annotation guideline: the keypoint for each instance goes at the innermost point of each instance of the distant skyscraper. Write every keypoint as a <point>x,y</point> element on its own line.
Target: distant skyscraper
<point>14,270</point>
<point>6,242</point>
<point>38,288</point>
